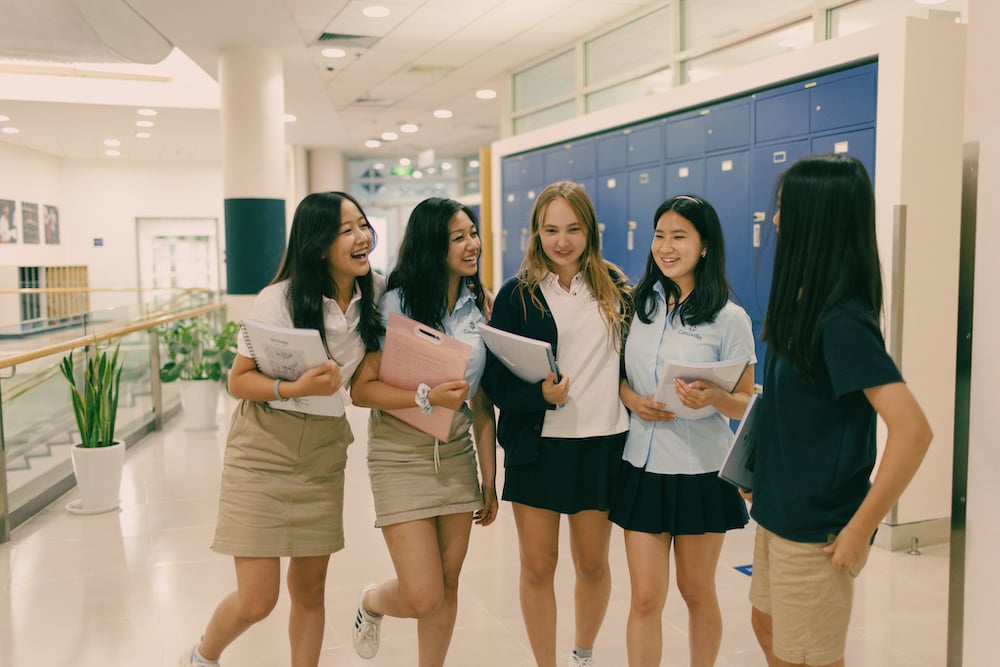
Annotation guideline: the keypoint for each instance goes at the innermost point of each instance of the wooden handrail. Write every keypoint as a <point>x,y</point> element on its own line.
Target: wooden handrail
<point>94,339</point>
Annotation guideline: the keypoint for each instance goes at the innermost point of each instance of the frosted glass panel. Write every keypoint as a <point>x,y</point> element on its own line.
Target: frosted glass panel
<point>865,14</point>
<point>707,21</point>
<point>658,82</point>
<point>554,114</point>
<point>792,38</point>
<point>645,40</point>
<point>545,81</point>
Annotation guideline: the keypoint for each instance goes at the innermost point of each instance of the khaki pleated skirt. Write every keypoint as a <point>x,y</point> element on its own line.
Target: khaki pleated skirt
<point>282,483</point>
<point>409,482</point>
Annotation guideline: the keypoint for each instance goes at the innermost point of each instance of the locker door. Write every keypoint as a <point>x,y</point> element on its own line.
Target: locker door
<point>513,223</point>
<point>685,136</point>
<point>645,144</point>
<point>685,178</point>
<point>839,101</point>
<point>611,202</point>
<point>727,189</point>
<point>859,144</point>
<point>782,115</point>
<point>612,151</point>
<point>767,165</point>
<point>645,193</point>
<point>727,127</point>
<point>581,161</point>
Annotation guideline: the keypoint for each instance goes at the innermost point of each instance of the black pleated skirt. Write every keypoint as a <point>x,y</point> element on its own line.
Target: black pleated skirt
<point>570,475</point>
<point>675,504</point>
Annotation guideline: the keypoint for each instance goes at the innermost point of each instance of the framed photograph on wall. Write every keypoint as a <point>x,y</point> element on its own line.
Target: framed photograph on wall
<point>51,224</point>
<point>29,222</point>
<point>8,227</point>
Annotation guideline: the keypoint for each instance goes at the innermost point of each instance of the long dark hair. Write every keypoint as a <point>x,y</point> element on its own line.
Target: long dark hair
<point>711,287</point>
<point>315,226</point>
<point>826,253</point>
<point>421,273</point>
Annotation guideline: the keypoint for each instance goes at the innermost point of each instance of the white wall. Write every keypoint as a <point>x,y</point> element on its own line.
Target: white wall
<point>982,99</point>
<point>102,199</point>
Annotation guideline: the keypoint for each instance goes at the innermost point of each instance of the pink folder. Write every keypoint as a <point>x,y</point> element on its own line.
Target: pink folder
<point>415,353</point>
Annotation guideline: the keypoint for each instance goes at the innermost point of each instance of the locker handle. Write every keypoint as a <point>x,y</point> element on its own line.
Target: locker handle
<point>524,239</point>
<point>756,235</point>
<point>630,235</point>
<point>503,241</point>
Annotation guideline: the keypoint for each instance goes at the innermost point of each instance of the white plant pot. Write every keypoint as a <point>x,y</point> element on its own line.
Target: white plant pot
<point>98,473</point>
<point>200,400</point>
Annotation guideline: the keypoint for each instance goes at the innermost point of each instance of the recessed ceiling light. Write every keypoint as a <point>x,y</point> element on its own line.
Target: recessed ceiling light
<point>146,112</point>
<point>418,174</point>
<point>145,123</point>
<point>404,162</point>
<point>4,119</point>
<point>446,166</point>
<point>442,113</point>
<point>409,128</point>
<point>473,164</point>
<point>112,152</point>
<point>10,130</point>
<point>431,170</point>
<point>290,118</point>
<point>389,136</point>
<point>142,135</point>
<point>333,52</point>
<point>373,143</point>
<point>112,142</point>
<point>486,94</point>
<point>375,12</point>
<point>378,165</point>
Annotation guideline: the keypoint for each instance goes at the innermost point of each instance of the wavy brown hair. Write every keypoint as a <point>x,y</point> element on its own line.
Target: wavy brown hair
<point>605,280</point>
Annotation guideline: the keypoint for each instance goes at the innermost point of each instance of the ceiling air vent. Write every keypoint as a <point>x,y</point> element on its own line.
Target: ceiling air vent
<point>373,102</point>
<point>342,39</point>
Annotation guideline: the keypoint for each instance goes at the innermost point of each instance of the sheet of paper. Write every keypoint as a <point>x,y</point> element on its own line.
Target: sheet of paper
<point>414,353</point>
<point>738,466</point>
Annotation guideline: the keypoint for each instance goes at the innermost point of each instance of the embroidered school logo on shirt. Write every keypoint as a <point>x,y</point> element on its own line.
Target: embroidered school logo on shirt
<point>690,331</point>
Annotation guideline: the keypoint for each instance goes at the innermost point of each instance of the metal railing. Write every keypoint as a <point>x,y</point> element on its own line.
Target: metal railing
<point>37,427</point>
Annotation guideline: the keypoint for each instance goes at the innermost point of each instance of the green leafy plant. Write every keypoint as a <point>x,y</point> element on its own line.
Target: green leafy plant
<point>197,350</point>
<point>95,400</point>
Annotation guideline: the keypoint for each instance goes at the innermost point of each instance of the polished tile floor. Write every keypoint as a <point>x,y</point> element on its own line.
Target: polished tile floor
<point>134,588</point>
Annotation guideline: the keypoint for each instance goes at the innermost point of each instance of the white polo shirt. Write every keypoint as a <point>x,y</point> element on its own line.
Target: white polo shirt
<point>587,357</point>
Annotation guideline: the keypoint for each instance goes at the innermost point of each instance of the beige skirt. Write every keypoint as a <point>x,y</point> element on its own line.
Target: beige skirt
<point>414,476</point>
<point>282,483</point>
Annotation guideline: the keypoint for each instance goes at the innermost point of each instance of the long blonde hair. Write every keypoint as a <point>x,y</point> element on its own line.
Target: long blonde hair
<point>612,293</point>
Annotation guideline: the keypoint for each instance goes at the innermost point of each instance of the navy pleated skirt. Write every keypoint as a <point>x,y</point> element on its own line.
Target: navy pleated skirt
<point>675,504</point>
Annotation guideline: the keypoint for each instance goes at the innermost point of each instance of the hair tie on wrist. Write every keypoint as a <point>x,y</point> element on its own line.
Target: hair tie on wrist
<point>277,394</point>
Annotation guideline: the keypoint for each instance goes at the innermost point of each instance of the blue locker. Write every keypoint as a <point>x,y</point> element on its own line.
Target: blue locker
<point>612,151</point>
<point>645,194</point>
<point>859,144</point>
<point>571,161</point>
<point>645,144</point>
<point>781,116</point>
<point>843,99</point>
<point>686,177</point>
<point>727,188</point>
<point>727,126</point>
<point>685,135</point>
<point>611,201</point>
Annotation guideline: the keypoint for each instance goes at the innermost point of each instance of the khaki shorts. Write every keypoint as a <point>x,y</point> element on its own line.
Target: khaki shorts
<point>809,602</point>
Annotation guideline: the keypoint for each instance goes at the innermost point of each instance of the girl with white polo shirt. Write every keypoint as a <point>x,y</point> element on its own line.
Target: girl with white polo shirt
<point>563,439</point>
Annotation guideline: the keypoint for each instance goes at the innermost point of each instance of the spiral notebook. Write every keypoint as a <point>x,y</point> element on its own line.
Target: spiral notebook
<point>286,353</point>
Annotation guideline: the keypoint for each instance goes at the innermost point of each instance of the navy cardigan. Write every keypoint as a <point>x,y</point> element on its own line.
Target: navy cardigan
<point>522,406</point>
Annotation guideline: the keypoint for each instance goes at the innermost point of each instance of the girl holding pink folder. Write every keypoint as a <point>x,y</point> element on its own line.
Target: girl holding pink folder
<point>426,490</point>
<point>562,461</point>
<point>283,476</point>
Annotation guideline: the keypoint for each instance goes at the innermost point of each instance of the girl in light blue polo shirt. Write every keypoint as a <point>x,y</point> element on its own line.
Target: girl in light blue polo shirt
<point>669,492</point>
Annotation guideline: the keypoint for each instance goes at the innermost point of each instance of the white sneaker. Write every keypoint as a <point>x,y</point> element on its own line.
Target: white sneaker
<point>576,661</point>
<point>367,628</point>
<point>192,659</point>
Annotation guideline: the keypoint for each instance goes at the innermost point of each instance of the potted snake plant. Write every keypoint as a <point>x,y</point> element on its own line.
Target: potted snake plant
<point>98,458</point>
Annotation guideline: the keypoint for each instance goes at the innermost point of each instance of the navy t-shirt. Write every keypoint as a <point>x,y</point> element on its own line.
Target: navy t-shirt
<point>816,439</point>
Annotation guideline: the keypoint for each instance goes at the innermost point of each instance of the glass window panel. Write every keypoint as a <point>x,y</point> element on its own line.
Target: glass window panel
<point>792,38</point>
<point>651,84</point>
<point>554,114</point>
<point>707,21</point>
<point>865,14</point>
<point>545,81</point>
<point>645,40</point>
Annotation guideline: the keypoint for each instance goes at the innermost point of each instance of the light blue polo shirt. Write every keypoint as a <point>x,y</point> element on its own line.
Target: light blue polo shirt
<point>681,446</point>
<point>461,323</point>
